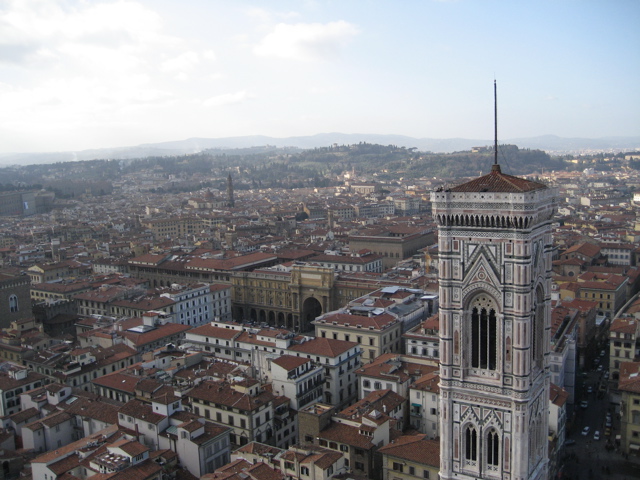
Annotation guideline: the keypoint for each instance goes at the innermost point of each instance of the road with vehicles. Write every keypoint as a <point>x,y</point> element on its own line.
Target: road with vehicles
<point>591,456</point>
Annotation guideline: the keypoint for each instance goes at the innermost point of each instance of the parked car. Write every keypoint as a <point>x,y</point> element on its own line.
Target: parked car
<point>569,442</point>
<point>606,375</point>
<point>608,424</point>
<point>596,436</point>
<point>607,432</point>
<point>590,389</point>
<point>584,404</point>
<point>599,368</point>
<point>602,353</point>
<point>585,431</point>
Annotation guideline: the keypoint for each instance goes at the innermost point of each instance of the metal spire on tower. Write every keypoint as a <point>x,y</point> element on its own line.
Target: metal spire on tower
<point>495,167</point>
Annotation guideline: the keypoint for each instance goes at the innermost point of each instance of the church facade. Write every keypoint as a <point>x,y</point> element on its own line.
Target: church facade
<point>494,238</point>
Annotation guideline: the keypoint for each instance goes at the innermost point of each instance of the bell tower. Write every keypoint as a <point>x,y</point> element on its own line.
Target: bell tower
<point>230,200</point>
<point>494,248</point>
<point>494,239</point>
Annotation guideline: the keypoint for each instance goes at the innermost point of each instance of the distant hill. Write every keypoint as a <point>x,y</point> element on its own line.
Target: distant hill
<point>549,143</point>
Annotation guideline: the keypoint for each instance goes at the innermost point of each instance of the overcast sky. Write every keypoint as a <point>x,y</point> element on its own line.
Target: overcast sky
<point>87,74</point>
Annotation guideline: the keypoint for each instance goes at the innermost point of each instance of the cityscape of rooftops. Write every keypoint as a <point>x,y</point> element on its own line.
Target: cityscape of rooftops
<point>196,282</point>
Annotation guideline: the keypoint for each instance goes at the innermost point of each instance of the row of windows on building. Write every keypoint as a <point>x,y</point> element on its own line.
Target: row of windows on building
<point>491,448</point>
<point>410,469</point>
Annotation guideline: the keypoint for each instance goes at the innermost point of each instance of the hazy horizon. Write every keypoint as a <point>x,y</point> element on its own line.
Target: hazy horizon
<point>108,74</point>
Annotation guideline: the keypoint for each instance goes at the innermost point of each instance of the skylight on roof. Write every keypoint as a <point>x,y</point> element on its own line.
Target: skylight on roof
<point>141,329</point>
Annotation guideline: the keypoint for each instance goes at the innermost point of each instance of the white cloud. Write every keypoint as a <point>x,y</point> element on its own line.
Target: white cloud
<point>227,99</point>
<point>182,63</point>
<point>266,16</point>
<point>36,24</point>
<point>87,64</point>
<point>306,41</point>
<point>259,13</point>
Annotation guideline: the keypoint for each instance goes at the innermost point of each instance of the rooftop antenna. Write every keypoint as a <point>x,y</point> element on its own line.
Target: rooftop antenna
<point>496,167</point>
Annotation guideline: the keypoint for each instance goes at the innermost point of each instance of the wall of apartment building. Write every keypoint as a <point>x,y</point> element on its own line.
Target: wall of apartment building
<point>247,426</point>
<point>374,342</point>
<point>50,438</point>
<point>393,249</point>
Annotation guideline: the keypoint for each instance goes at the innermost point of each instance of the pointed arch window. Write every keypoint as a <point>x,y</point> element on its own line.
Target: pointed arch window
<point>484,349</point>
<point>537,331</point>
<point>13,304</point>
<point>471,444</point>
<point>493,449</point>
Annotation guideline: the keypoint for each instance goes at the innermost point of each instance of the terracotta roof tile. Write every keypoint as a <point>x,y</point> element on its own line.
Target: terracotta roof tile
<point>629,380</point>
<point>557,395</point>
<point>327,347</point>
<point>289,362</point>
<point>414,448</point>
<point>496,181</point>
<point>223,393</point>
<point>215,332</point>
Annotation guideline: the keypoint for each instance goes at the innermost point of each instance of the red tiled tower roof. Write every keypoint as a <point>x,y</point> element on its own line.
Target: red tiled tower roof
<point>496,181</point>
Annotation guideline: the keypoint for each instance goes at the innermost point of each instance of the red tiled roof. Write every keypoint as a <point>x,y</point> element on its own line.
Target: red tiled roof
<point>582,305</point>
<point>339,432</point>
<point>496,181</point>
<point>209,330</point>
<point>289,362</point>
<point>429,382</point>
<point>388,366</point>
<point>223,394</point>
<point>415,448</point>
<point>141,411</point>
<point>72,447</point>
<point>557,395</point>
<point>162,331</point>
<point>118,381</point>
<point>586,248</point>
<point>624,325</point>
<point>327,347</point>
<point>381,400</point>
<point>378,322</point>
<point>629,380</point>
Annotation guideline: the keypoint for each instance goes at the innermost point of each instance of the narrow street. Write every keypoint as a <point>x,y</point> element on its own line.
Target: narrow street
<point>590,459</point>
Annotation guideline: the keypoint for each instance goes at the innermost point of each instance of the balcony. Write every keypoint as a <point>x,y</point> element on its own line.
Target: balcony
<point>314,386</point>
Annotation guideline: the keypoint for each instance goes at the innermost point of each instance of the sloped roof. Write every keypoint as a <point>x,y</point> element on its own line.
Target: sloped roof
<point>289,362</point>
<point>558,395</point>
<point>415,448</point>
<point>585,248</point>
<point>496,181</point>
<point>327,347</point>
<point>629,377</point>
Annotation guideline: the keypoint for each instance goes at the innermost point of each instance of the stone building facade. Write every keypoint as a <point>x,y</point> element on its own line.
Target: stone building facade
<point>15,298</point>
<point>393,248</point>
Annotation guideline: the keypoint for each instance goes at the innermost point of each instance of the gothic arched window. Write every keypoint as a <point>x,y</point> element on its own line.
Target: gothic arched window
<point>484,336</point>
<point>13,304</point>
<point>537,331</point>
<point>471,444</point>
<point>493,448</point>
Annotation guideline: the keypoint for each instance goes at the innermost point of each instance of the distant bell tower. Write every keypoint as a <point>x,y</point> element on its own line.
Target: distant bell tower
<point>230,201</point>
<point>494,248</point>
